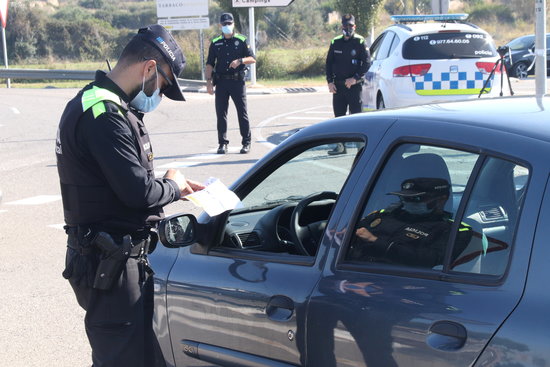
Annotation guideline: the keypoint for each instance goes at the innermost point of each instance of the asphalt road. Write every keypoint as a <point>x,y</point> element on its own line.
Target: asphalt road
<point>42,325</point>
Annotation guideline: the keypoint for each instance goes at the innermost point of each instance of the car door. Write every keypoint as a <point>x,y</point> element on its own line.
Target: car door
<point>242,301</point>
<point>379,51</point>
<point>379,311</point>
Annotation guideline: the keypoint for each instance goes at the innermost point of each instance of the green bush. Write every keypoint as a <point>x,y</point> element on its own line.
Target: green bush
<point>491,13</point>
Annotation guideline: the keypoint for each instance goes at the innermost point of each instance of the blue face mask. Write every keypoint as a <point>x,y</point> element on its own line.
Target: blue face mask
<point>228,29</point>
<point>416,208</point>
<point>145,103</point>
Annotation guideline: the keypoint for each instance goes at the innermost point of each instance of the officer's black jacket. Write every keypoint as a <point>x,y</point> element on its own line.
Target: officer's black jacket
<point>347,59</point>
<point>223,51</point>
<point>105,166</point>
<point>409,239</point>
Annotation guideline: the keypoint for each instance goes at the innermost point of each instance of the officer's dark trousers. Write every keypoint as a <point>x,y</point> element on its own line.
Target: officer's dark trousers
<point>347,97</point>
<point>236,89</point>
<point>119,321</point>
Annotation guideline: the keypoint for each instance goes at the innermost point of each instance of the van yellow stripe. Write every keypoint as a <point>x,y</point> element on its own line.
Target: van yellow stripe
<point>450,92</point>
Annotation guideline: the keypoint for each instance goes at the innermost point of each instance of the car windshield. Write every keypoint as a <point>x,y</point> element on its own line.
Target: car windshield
<point>521,43</point>
<point>448,45</point>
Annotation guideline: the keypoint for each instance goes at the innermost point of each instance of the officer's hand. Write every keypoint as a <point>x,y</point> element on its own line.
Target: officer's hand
<point>235,64</point>
<point>331,88</point>
<point>179,178</point>
<point>191,187</point>
<point>365,234</point>
<point>209,88</point>
<point>350,82</point>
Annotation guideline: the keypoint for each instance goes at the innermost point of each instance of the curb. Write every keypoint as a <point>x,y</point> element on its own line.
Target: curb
<point>199,87</point>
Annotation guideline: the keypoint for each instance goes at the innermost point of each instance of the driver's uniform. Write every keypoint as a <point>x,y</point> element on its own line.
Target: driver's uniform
<point>409,239</point>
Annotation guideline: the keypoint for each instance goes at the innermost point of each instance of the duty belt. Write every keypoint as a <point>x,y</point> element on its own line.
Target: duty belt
<point>139,247</point>
<point>234,76</point>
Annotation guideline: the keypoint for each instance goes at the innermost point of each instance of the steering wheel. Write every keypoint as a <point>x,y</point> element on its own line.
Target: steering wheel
<point>298,232</point>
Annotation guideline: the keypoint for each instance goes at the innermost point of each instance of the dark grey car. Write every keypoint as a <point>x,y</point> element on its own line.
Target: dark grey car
<point>519,61</point>
<point>276,283</point>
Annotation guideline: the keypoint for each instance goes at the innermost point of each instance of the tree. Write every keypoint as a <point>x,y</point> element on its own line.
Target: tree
<point>364,11</point>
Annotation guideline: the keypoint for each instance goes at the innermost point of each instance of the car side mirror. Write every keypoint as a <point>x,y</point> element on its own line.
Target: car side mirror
<point>177,231</point>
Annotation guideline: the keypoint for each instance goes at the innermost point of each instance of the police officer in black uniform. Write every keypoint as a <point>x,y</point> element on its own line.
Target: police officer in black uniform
<point>112,200</point>
<point>228,55</point>
<point>414,232</point>
<point>348,59</point>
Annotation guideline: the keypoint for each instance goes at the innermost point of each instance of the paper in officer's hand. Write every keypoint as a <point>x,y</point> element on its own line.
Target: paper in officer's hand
<point>215,198</point>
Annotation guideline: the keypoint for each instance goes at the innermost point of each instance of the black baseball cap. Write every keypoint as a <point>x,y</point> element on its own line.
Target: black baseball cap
<point>348,19</point>
<point>226,17</point>
<point>421,186</point>
<point>159,37</point>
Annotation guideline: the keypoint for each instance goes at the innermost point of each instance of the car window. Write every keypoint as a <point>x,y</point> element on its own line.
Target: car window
<point>385,46</point>
<point>448,45</point>
<point>410,217</point>
<point>376,46</point>
<point>316,176</point>
<point>394,43</point>
<point>492,213</point>
<point>521,43</point>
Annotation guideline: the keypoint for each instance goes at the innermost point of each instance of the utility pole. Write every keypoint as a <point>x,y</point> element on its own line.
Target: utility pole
<point>540,47</point>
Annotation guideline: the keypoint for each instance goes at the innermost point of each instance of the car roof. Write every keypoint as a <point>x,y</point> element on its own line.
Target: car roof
<point>523,115</point>
<point>413,29</point>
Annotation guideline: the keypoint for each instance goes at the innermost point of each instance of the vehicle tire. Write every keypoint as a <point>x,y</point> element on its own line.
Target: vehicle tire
<point>380,105</point>
<point>519,70</point>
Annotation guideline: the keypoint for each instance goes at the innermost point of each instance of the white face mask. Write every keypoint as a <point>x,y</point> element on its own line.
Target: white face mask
<point>228,29</point>
<point>145,103</point>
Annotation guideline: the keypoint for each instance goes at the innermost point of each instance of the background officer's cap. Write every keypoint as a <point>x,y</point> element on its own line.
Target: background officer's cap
<point>348,19</point>
<point>159,37</point>
<point>226,17</point>
<point>423,186</point>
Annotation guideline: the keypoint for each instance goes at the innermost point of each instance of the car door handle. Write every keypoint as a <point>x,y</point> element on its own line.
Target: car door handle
<point>446,335</point>
<point>279,308</point>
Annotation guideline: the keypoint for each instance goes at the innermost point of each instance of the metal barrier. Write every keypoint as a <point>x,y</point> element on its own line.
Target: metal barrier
<point>73,75</point>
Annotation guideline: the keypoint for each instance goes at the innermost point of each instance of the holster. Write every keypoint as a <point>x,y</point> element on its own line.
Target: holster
<point>112,261</point>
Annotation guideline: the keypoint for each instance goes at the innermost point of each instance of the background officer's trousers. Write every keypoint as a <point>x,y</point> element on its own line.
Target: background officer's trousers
<point>347,97</point>
<point>236,89</point>
<point>119,321</point>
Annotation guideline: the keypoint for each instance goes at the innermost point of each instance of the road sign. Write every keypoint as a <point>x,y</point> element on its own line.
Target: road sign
<point>4,12</point>
<point>259,3</point>
<point>181,8</point>
<point>177,24</point>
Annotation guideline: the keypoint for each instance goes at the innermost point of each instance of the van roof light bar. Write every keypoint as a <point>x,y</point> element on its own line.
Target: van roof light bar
<point>427,17</point>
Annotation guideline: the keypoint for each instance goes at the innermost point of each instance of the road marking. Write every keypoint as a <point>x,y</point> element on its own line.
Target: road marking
<point>205,156</point>
<point>326,112</point>
<point>57,226</point>
<point>258,129</point>
<point>36,200</point>
<point>179,164</point>
<point>15,110</point>
<point>3,211</point>
<point>305,118</point>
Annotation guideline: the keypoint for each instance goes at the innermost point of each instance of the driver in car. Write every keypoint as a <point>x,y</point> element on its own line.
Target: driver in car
<point>414,231</point>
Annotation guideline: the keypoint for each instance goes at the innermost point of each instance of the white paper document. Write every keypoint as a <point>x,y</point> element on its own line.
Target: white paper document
<point>216,198</point>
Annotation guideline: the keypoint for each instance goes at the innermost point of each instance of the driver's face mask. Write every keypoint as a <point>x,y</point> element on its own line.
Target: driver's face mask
<point>145,103</point>
<point>414,208</point>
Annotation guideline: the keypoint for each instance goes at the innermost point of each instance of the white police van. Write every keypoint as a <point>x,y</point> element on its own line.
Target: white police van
<point>430,58</point>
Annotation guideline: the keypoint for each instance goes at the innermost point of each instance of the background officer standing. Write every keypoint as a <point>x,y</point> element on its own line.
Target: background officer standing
<point>348,59</point>
<point>225,69</point>
<point>112,200</point>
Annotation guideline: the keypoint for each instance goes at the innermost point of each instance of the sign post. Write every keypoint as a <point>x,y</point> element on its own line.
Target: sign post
<point>4,19</point>
<point>251,4</point>
<point>540,47</point>
<point>185,15</point>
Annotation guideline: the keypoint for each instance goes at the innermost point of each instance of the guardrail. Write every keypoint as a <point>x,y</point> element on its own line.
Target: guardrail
<point>72,75</point>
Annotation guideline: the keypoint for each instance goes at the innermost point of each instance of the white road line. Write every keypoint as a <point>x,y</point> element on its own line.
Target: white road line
<point>36,200</point>
<point>258,129</point>
<point>306,118</point>
<point>326,112</point>
<point>205,156</point>
<point>179,164</point>
<point>3,211</point>
<point>57,226</point>
<point>15,110</point>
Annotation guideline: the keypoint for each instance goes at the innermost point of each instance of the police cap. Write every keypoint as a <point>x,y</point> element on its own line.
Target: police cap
<point>159,37</point>
<point>421,186</point>
<point>226,17</point>
<point>348,19</point>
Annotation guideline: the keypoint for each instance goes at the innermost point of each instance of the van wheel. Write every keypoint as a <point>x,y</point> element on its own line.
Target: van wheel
<point>380,103</point>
